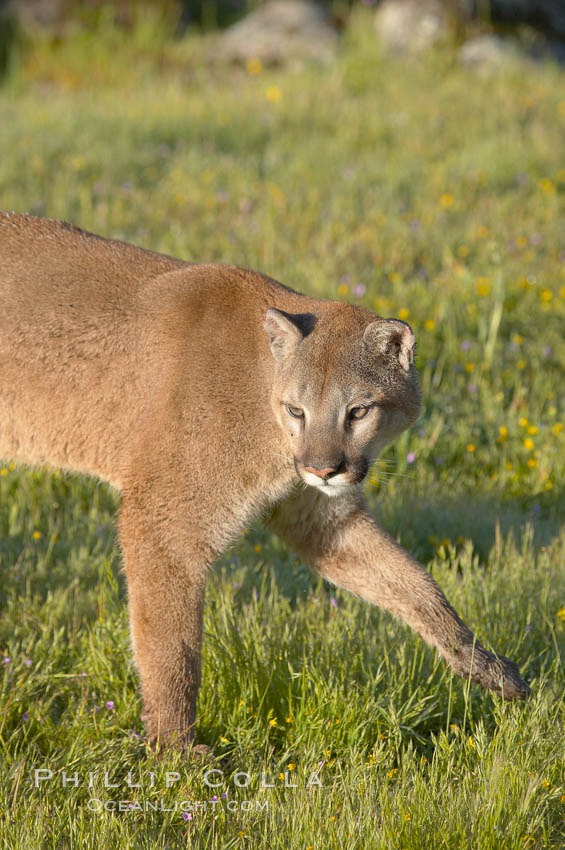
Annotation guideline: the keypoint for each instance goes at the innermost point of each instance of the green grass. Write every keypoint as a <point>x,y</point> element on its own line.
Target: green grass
<point>417,189</point>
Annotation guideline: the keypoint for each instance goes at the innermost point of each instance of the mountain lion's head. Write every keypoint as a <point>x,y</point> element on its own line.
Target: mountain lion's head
<point>344,387</point>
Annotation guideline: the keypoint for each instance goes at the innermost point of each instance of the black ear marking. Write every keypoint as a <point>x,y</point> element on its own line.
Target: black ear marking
<point>287,330</point>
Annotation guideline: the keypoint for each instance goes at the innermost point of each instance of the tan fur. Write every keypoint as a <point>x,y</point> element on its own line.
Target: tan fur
<point>171,381</point>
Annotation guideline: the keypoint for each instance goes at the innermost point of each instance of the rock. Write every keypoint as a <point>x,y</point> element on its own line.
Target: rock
<point>279,33</point>
<point>411,26</point>
<point>488,54</point>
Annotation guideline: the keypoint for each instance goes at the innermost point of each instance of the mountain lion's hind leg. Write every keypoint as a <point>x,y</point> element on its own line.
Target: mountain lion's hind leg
<point>340,539</point>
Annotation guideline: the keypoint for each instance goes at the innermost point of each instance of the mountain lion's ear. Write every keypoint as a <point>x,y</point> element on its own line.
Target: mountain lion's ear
<point>392,338</point>
<point>286,330</point>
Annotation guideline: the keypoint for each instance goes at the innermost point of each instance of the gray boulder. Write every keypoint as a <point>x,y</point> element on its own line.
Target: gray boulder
<point>280,32</point>
<point>488,54</point>
<point>411,26</point>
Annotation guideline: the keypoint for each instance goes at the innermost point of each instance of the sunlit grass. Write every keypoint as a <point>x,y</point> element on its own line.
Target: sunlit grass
<point>424,193</point>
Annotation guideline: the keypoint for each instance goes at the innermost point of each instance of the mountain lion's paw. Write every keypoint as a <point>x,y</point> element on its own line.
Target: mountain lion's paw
<point>503,676</point>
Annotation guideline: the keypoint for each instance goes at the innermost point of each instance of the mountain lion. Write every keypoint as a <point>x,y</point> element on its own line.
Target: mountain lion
<point>210,396</point>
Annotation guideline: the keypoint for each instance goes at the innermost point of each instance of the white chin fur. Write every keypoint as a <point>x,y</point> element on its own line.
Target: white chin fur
<point>334,487</point>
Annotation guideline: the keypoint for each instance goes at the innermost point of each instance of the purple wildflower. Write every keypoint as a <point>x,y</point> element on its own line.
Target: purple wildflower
<point>410,457</point>
<point>359,290</point>
<point>7,660</point>
<point>214,798</point>
<point>333,602</point>
<point>466,345</point>
<point>473,388</point>
<point>110,705</point>
<point>25,717</point>
<point>28,662</point>
<point>186,816</point>
<point>224,795</point>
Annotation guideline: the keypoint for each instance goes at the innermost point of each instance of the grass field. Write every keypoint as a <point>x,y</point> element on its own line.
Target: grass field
<point>419,190</point>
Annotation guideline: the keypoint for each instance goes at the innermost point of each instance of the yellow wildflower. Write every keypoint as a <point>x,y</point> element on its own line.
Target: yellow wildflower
<point>403,313</point>
<point>471,447</point>
<point>547,185</point>
<point>483,286</point>
<point>273,94</point>
<point>528,444</point>
<point>557,428</point>
<point>254,66</point>
<point>446,200</point>
<point>429,325</point>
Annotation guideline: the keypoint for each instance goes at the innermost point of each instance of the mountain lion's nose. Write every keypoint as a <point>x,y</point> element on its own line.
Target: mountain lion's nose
<point>321,473</point>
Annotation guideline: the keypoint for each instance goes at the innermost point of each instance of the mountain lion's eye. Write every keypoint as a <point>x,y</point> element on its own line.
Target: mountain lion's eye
<point>358,412</point>
<point>295,411</point>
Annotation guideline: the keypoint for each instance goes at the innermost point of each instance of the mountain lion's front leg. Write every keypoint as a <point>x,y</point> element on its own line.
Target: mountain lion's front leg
<point>339,538</point>
<point>166,598</point>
